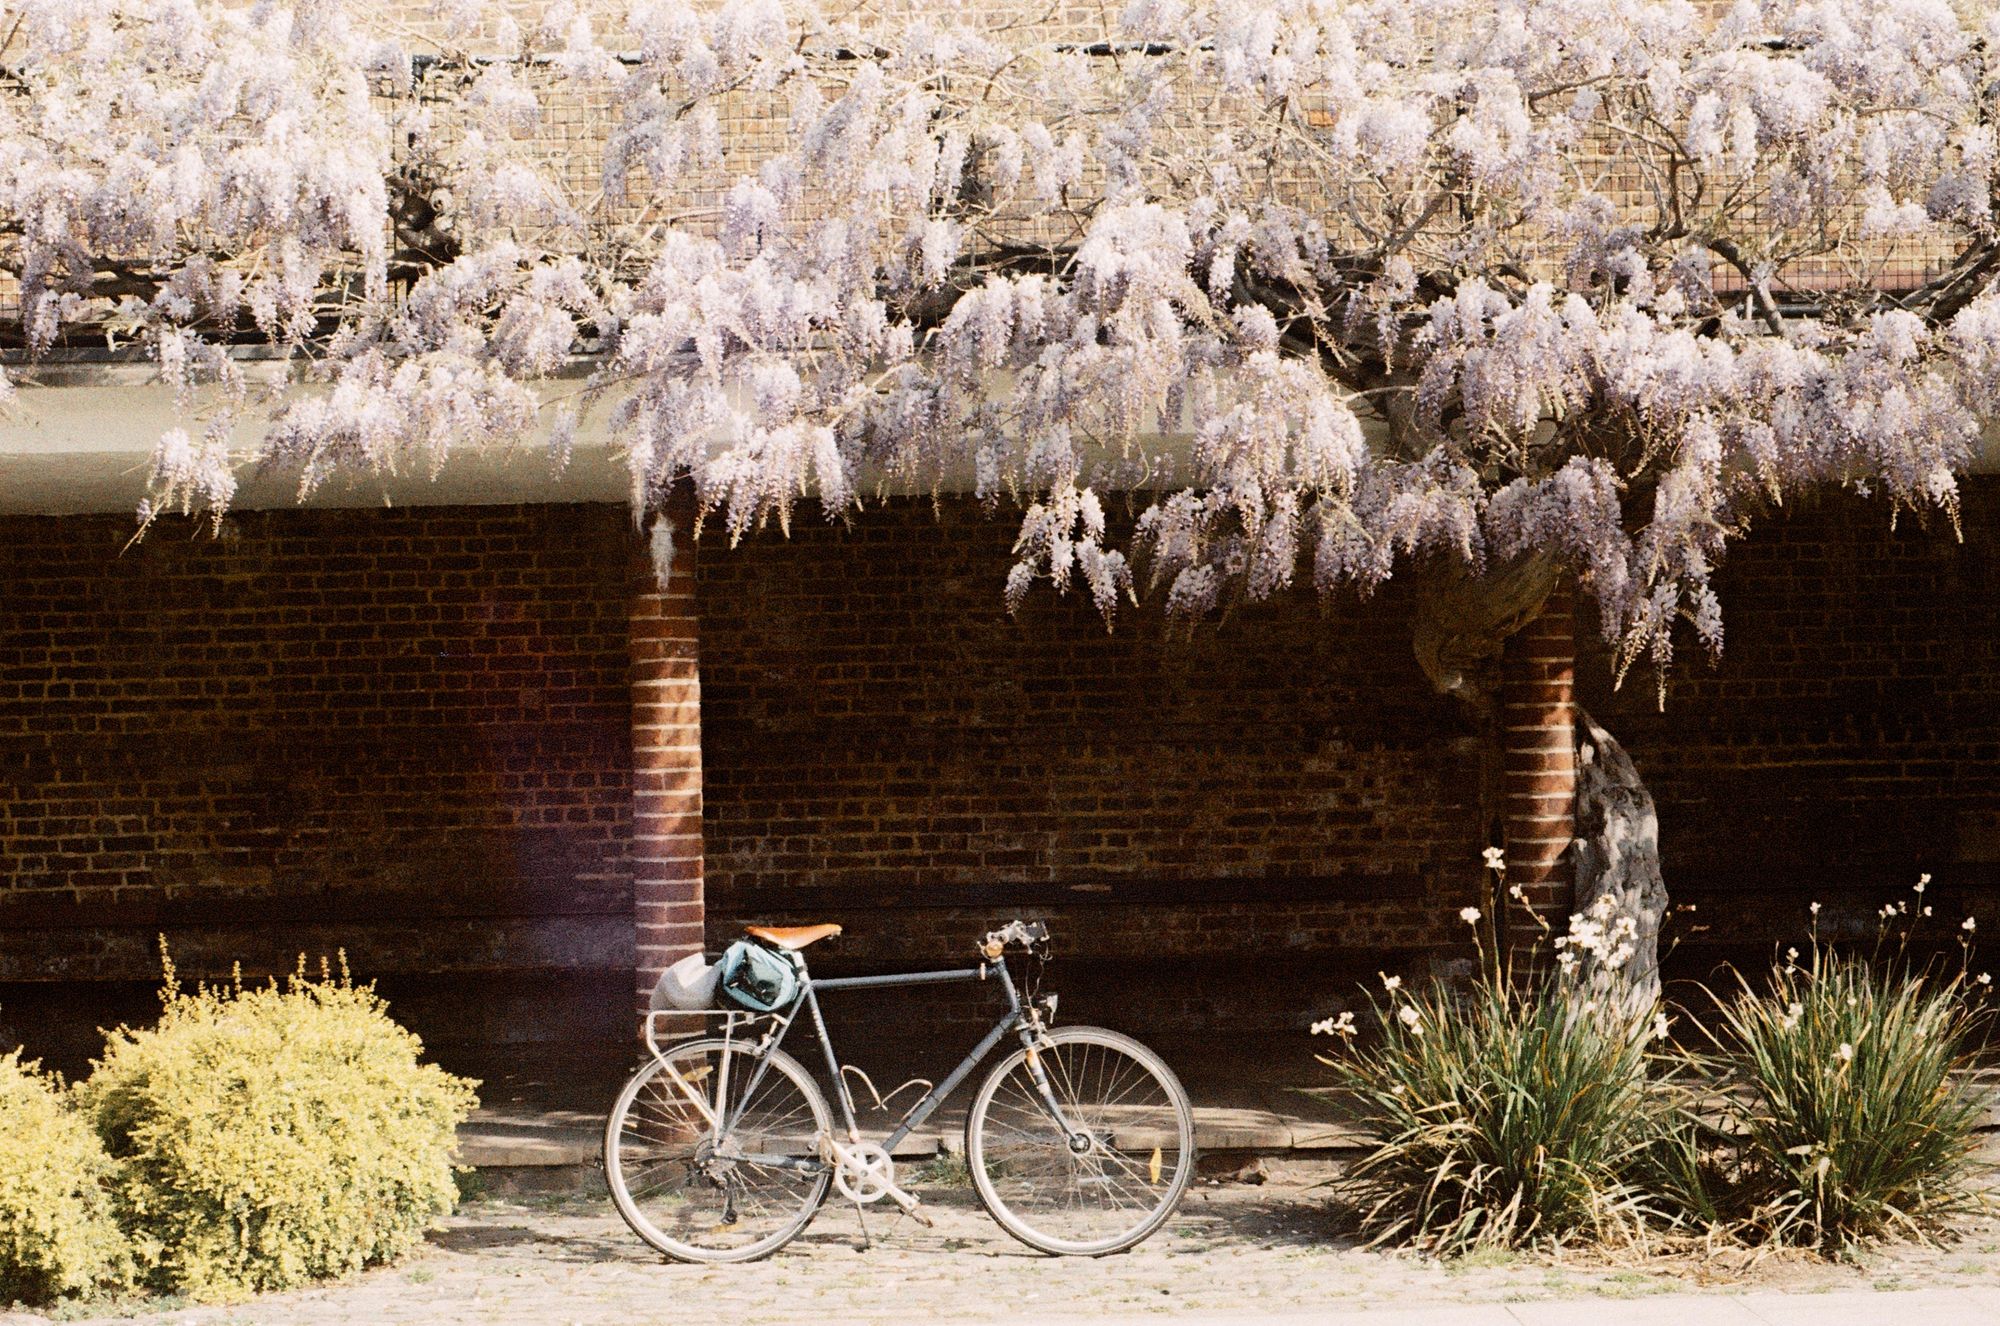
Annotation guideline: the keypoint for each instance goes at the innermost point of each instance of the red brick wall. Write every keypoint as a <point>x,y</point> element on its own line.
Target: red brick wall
<point>1279,799</point>
<point>404,732</point>
<point>414,734</point>
<point>411,733</point>
<point>1850,737</point>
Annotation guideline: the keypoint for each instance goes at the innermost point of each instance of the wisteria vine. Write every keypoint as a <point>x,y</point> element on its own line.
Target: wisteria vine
<point>1319,288</point>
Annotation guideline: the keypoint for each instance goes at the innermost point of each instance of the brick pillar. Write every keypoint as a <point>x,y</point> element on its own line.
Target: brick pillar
<point>1538,768</point>
<point>666,750</point>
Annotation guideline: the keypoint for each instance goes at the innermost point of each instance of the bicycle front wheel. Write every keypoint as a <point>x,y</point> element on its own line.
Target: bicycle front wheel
<point>1108,1180</point>
<point>705,1174</point>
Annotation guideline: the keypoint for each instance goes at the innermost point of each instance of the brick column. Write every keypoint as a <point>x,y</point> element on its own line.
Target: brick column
<point>1538,768</point>
<point>666,750</point>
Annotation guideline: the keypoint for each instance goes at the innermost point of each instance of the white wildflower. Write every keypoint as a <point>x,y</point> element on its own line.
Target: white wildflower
<point>1342,1025</point>
<point>1469,915</point>
<point>1971,924</point>
<point>1986,978</point>
<point>1845,1053</point>
<point>1923,882</point>
<point>1409,1017</point>
<point>1391,983</point>
<point>1495,858</point>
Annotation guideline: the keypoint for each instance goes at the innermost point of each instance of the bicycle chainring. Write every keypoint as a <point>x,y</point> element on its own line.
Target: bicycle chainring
<point>864,1173</point>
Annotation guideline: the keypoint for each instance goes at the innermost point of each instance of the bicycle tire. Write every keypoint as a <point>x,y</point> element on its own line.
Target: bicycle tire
<point>1140,1158</point>
<point>787,1101</point>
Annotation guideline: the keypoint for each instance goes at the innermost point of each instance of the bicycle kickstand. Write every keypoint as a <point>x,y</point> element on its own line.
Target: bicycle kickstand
<point>914,1210</point>
<point>861,1219</point>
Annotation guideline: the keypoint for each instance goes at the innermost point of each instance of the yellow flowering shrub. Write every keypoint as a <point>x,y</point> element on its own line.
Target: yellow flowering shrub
<point>58,1233</point>
<point>276,1135</point>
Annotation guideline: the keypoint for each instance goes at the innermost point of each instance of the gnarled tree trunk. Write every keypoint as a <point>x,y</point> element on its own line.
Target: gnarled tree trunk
<point>1618,869</point>
<point>1463,621</point>
<point>1462,624</point>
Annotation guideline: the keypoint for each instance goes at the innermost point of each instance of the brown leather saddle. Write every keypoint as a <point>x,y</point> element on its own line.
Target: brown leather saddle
<point>792,937</point>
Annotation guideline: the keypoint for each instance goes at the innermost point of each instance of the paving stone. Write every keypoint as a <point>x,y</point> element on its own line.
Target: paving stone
<point>1275,1254</point>
<point>1946,1307</point>
<point>1715,1310</point>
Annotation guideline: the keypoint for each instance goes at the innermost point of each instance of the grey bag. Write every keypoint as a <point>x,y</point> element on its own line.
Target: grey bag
<point>688,986</point>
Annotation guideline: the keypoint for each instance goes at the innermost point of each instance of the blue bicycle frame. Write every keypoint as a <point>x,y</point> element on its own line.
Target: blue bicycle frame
<point>1016,1018</point>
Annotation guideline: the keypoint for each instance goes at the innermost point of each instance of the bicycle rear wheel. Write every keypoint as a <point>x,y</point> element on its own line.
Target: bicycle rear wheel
<point>700,1198</point>
<point>1107,1185</point>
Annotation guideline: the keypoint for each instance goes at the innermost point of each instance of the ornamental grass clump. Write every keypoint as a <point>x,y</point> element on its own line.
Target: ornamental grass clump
<point>1833,1105</point>
<point>1851,1100</point>
<point>59,1235</point>
<point>1516,1112</point>
<point>273,1136</point>
<point>1505,1117</point>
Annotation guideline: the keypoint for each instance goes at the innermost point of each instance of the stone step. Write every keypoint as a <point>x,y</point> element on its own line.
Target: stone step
<point>503,1139</point>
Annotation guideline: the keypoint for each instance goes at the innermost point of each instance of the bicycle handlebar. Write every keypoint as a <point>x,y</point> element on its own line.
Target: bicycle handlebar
<point>1030,935</point>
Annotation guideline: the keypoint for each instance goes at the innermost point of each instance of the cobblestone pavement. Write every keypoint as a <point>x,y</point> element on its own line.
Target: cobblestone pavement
<point>1232,1249</point>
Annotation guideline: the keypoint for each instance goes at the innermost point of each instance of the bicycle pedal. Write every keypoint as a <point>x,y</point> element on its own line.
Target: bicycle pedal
<point>911,1206</point>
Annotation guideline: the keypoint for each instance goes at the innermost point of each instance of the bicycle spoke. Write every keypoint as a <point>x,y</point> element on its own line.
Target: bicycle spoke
<point>703,1196</point>
<point>1111,1179</point>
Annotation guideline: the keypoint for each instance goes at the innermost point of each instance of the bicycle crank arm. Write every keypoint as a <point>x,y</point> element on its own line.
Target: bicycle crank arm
<point>863,1172</point>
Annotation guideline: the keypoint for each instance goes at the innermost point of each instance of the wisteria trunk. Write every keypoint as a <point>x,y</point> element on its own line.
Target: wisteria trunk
<point>1618,866</point>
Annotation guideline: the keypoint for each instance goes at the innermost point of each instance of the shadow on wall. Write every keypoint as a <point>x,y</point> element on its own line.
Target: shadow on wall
<point>1848,741</point>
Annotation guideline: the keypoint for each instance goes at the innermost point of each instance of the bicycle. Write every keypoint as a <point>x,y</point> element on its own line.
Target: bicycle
<point>1080,1141</point>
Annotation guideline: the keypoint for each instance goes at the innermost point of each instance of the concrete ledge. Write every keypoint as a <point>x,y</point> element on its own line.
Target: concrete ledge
<point>500,1138</point>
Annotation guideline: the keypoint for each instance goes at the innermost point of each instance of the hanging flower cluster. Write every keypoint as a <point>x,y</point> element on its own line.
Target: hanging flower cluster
<point>1328,285</point>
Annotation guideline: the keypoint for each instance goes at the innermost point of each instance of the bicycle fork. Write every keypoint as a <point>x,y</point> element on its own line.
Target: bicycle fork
<point>1079,1139</point>
<point>1032,1034</point>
